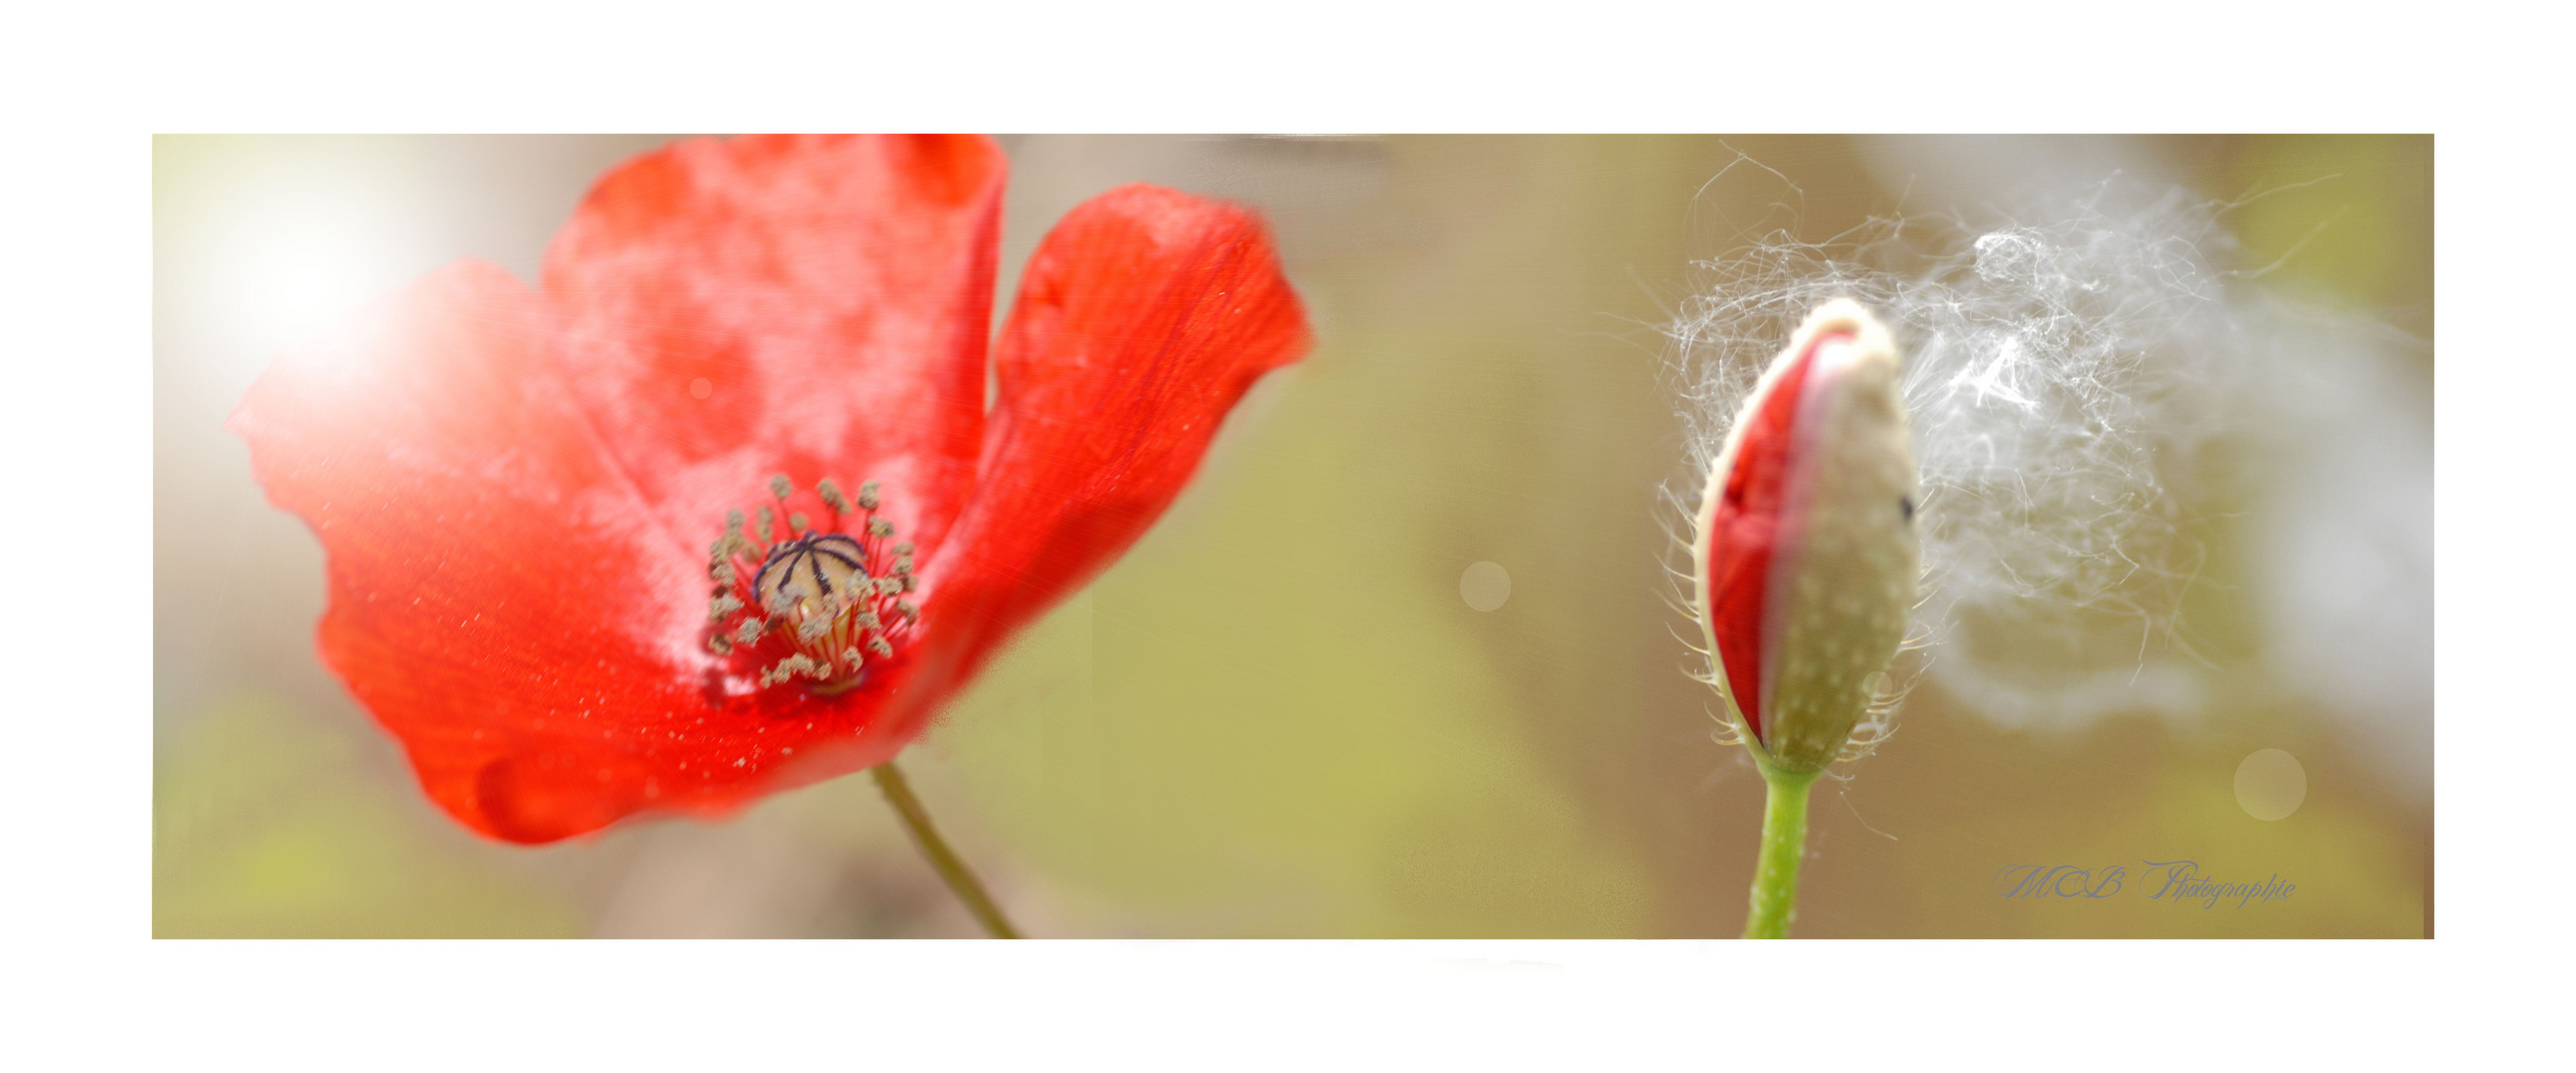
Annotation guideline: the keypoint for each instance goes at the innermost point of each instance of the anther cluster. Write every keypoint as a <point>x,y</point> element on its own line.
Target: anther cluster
<point>802,601</point>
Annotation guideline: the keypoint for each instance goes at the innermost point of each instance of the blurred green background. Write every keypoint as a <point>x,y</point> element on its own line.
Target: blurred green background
<point>1278,716</point>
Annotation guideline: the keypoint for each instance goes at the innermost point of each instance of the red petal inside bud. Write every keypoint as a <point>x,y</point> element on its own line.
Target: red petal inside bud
<point>1749,522</point>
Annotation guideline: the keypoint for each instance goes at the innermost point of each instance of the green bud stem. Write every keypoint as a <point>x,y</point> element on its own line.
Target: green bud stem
<point>951,867</point>
<point>1784,841</point>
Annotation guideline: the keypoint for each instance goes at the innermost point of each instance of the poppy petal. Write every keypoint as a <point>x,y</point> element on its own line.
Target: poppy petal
<point>1748,525</point>
<point>499,592</point>
<point>813,306</point>
<point>1143,317</point>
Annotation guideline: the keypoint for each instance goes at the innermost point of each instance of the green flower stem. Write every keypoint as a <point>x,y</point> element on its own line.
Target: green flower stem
<point>1784,840</point>
<point>951,867</point>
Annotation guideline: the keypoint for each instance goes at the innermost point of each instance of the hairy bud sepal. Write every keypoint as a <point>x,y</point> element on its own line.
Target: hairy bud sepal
<point>1805,557</point>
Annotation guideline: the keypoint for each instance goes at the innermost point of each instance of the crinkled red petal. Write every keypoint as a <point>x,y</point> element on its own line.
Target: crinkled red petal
<point>500,597</point>
<point>813,306</point>
<point>1142,319</point>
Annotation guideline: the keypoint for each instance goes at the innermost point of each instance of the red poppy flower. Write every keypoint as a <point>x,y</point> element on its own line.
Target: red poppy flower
<point>720,509</point>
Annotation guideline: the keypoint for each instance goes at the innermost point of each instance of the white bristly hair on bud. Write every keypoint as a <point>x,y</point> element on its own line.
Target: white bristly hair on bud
<point>2054,363</point>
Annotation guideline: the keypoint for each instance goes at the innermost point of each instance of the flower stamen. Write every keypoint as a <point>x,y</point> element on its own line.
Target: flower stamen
<point>810,603</point>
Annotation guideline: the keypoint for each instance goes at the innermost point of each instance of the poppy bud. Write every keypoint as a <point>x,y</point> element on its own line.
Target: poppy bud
<point>1806,558</point>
